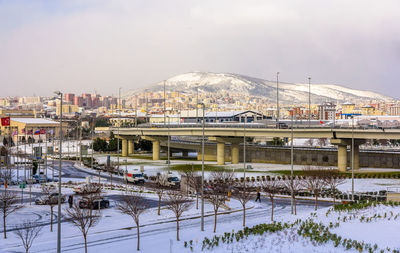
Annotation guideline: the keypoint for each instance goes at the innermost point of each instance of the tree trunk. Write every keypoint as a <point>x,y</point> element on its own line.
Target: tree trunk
<point>197,200</point>
<point>51,218</point>
<point>215,220</point>
<point>4,226</point>
<point>84,238</point>
<point>138,236</point>
<point>272,208</point>
<point>295,206</point>
<point>316,202</point>
<point>159,206</point>
<point>244,216</point>
<point>177,229</point>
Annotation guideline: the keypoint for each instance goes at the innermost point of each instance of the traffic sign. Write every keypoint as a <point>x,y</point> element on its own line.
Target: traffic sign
<point>22,185</point>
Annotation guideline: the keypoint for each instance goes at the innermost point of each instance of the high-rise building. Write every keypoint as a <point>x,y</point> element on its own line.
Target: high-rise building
<point>327,111</point>
<point>69,97</point>
<point>78,101</point>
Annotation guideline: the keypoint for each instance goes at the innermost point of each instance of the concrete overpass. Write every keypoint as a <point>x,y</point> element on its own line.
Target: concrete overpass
<point>234,133</point>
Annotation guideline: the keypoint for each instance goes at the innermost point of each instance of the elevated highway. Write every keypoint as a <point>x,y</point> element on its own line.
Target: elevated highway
<point>234,134</point>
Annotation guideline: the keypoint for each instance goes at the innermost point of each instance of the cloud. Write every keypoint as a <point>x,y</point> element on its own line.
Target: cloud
<point>82,46</point>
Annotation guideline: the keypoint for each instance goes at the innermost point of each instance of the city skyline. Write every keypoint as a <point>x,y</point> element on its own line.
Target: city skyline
<point>101,45</point>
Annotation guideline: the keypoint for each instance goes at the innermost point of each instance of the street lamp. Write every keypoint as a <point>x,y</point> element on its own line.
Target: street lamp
<point>119,123</point>
<point>164,103</point>
<point>168,149</point>
<point>277,98</point>
<point>59,179</point>
<point>244,150</point>
<point>291,162</point>
<point>352,158</point>
<point>309,101</point>
<point>202,168</point>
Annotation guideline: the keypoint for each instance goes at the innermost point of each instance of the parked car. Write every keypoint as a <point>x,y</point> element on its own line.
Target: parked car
<point>41,178</point>
<point>53,198</point>
<point>87,189</point>
<point>95,204</point>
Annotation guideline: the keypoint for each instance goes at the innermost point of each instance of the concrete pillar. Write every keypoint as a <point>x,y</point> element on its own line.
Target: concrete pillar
<point>156,150</point>
<point>131,147</point>
<point>124,147</point>
<point>235,153</point>
<point>356,157</point>
<point>220,153</point>
<point>185,153</point>
<point>342,158</point>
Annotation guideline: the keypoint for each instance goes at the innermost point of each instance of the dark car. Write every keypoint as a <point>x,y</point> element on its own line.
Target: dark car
<point>94,204</point>
<point>52,199</point>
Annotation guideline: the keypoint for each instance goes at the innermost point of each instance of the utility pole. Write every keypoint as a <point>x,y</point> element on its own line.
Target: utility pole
<point>59,181</point>
<point>244,150</point>
<point>197,104</point>
<point>202,168</point>
<point>309,102</point>
<point>119,123</point>
<point>164,105</point>
<point>169,139</point>
<point>291,164</point>
<point>277,98</point>
<point>352,158</point>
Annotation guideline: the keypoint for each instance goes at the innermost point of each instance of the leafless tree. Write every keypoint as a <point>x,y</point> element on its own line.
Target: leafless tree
<point>271,187</point>
<point>243,195</point>
<point>83,219</point>
<point>322,142</point>
<point>333,180</point>
<point>219,186</point>
<point>133,204</point>
<point>28,231</point>
<point>294,187</point>
<point>178,203</point>
<point>310,142</point>
<point>8,204</point>
<point>50,200</point>
<point>314,182</point>
<point>193,183</point>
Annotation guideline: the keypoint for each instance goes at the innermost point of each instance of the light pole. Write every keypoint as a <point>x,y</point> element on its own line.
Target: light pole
<point>291,163</point>
<point>168,149</point>
<point>119,123</point>
<point>244,151</point>
<point>59,179</point>
<point>202,168</point>
<point>352,158</point>
<point>164,103</point>
<point>309,101</point>
<point>197,104</point>
<point>277,98</point>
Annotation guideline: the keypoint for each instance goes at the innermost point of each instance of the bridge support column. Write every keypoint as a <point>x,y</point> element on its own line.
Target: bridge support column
<point>156,150</point>
<point>185,153</point>
<point>342,158</point>
<point>124,147</point>
<point>235,153</point>
<point>220,153</point>
<point>356,157</point>
<point>131,147</point>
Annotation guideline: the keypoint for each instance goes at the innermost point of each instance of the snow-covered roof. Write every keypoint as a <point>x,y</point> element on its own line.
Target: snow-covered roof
<point>35,121</point>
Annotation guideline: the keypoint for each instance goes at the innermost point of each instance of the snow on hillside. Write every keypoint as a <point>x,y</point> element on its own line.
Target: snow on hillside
<point>289,92</point>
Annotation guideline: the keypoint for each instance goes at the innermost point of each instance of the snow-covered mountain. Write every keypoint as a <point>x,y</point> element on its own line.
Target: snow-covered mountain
<point>289,93</point>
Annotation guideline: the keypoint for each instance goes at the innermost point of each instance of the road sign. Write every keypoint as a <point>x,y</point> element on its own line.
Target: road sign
<point>22,185</point>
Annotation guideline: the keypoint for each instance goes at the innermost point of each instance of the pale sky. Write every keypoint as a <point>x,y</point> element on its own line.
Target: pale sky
<point>99,45</point>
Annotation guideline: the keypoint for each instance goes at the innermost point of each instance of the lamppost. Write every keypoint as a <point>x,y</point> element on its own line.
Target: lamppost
<point>164,103</point>
<point>277,98</point>
<point>309,101</point>
<point>59,179</point>
<point>352,158</point>
<point>202,168</point>
<point>168,149</point>
<point>119,123</point>
<point>244,151</point>
<point>291,161</point>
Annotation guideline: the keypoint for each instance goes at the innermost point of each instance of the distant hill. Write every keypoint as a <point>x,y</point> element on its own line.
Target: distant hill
<point>289,93</point>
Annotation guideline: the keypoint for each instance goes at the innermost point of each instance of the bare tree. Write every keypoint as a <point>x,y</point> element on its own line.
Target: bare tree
<point>51,200</point>
<point>83,219</point>
<point>294,187</point>
<point>178,203</point>
<point>8,205</point>
<point>309,142</point>
<point>322,142</point>
<point>333,180</point>
<point>314,182</point>
<point>219,186</point>
<point>28,231</point>
<point>271,187</point>
<point>243,195</point>
<point>133,204</point>
<point>193,183</point>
